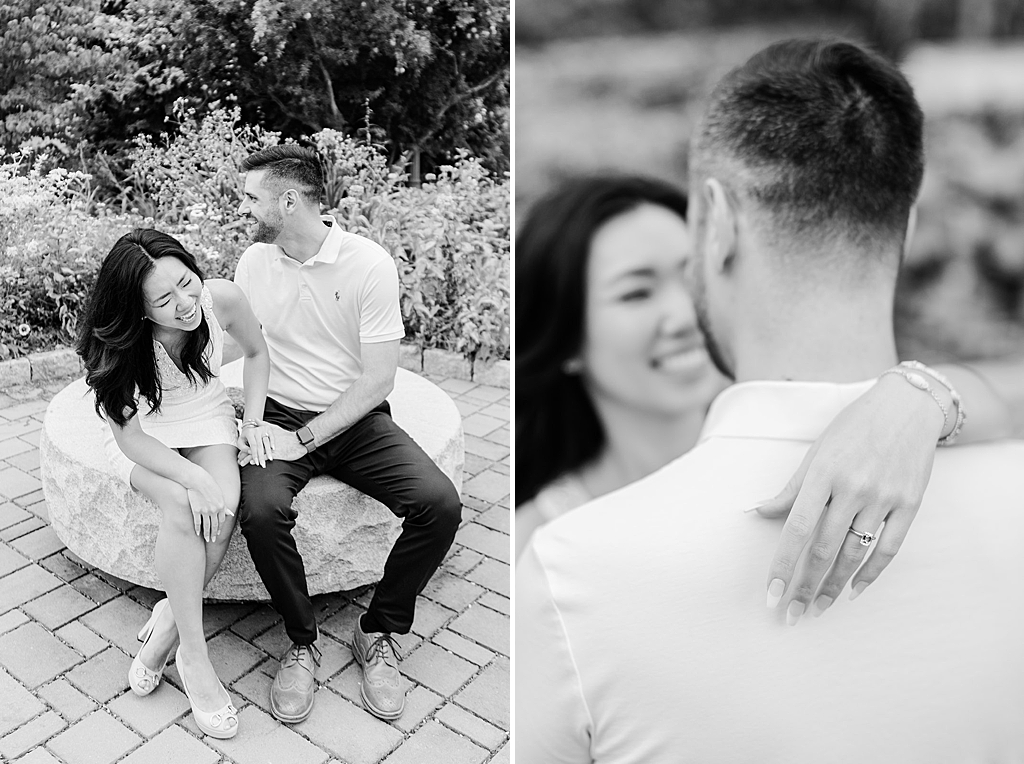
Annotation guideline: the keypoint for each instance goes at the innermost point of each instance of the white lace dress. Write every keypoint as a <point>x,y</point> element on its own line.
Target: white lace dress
<point>191,414</point>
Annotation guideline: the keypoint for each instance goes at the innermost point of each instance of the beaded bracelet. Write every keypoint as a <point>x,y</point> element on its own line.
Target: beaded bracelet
<point>961,413</point>
<point>921,383</point>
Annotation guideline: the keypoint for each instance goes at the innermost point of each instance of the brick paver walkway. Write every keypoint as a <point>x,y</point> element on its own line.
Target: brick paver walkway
<point>67,634</point>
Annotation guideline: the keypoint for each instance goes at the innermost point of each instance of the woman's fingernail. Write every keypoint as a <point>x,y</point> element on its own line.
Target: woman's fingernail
<point>821,605</point>
<point>775,592</point>
<point>796,609</point>
<point>858,589</point>
<point>758,505</point>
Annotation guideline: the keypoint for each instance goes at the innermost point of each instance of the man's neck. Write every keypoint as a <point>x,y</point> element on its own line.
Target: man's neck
<point>826,338</point>
<point>303,241</point>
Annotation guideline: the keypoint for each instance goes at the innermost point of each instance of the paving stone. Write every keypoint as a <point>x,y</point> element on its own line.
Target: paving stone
<point>503,468</point>
<point>27,461</point>
<point>35,656</point>
<point>255,687</point>
<point>11,560</point>
<point>97,739</point>
<point>504,756</point>
<point>28,736</point>
<point>118,583</point>
<point>118,621</point>
<point>451,591</point>
<point>274,642</point>
<point>496,602</point>
<point>463,647</point>
<point>152,713</point>
<point>334,657</point>
<point>349,732</point>
<point>14,483</point>
<point>83,639</point>
<point>103,676</point>
<point>346,684</point>
<point>218,616</point>
<point>435,742</point>
<point>56,608</point>
<point>12,514</point>
<point>468,407</point>
<point>473,727</point>
<point>12,619</point>
<point>341,624</point>
<point>497,519</point>
<point>233,657</point>
<point>456,386</point>
<point>66,699</point>
<point>430,617</point>
<point>489,485</point>
<point>78,560</point>
<point>502,436</point>
<point>495,575</point>
<point>261,738</point>
<point>419,704</point>
<point>173,746</point>
<point>485,626</point>
<point>38,756</point>
<point>20,429</point>
<point>13,447</point>
<point>256,622</point>
<point>438,669</point>
<point>95,589</point>
<point>33,428</point>
<point>480,424</point>
<point>17,705</point>
<point>488,542</point>
<point>499,411</point>
<point>20,529</point>
<point>485,448</point>
<point>487,393</point>
<point>475,464</point>
<point>26,409</point>
<point>461,560</point>
<point>487,695</point>
<point>30,498</point>
<point>62,567</point>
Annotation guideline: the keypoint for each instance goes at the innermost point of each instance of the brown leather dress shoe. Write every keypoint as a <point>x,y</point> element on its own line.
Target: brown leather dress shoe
<point>291,695</point>
<point>382,688</point>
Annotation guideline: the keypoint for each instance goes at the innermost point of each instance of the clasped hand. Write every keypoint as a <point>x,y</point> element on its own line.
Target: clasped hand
<point>265,442</point>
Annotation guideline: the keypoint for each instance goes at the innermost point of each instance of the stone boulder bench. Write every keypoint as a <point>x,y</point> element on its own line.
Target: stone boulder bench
<point>343,535</point>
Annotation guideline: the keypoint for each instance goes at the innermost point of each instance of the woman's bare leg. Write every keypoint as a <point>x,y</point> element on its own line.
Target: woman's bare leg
<point>185,564</point>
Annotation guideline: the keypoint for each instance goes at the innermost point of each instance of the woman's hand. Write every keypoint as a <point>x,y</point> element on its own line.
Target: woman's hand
<point>259,442</point>
<point>871,466</point>
<point>207,503</point>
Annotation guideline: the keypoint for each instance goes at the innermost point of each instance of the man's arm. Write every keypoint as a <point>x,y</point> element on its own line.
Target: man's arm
<point>553,724</point>
<point>380,363</point>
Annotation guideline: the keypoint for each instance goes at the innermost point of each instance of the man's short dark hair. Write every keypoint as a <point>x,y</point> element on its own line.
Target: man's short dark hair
<point>290,165</point>
<point>827,137</point>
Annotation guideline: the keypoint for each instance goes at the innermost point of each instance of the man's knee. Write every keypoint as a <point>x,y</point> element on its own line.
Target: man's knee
<point>443,503</point>
<point>264,509</point>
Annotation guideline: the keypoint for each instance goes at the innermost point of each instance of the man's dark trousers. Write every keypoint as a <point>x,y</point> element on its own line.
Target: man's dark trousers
<point>378,458</point>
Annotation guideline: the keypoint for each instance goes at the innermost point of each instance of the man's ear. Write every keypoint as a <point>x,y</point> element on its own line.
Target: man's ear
<point>911,229</point>
<point>721,226</point>
<point>289,200</point>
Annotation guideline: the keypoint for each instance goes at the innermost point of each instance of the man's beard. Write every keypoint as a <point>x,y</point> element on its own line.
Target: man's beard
<point>265,233</point>
<point>700,302</point>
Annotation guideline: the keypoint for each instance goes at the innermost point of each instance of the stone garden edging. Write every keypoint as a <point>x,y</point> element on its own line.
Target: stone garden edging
<point>49,365</point>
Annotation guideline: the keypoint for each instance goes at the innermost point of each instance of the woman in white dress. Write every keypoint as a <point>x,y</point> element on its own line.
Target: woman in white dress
<point>151,340</point>
<point>613,380</point>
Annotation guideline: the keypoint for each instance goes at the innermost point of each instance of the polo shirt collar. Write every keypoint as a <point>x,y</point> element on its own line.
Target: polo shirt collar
<point>779,410</point>
<point>329,250</point>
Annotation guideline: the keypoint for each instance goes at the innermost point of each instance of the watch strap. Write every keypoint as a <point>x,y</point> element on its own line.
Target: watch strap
<point>305,436</point>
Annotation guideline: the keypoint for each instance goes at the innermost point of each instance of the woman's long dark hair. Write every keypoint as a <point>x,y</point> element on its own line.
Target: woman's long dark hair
<point>557,427</point>
<point>116,344</point>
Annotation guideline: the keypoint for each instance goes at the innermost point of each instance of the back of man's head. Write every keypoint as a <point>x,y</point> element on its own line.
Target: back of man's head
<point>823,137</point>
<point>289,166</point>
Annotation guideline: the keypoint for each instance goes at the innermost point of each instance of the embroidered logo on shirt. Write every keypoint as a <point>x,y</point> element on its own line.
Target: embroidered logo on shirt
<point>337,297</point>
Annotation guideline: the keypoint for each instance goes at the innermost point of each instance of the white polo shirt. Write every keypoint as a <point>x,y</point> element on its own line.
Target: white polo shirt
<point>316,314</point>
<point>642,633</point>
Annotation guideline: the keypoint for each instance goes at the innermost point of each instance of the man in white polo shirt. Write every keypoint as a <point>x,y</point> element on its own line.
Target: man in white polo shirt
<point>641,628</point>
<point>328,303</point>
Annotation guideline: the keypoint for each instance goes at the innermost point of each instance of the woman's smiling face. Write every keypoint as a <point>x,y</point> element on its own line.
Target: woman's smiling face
<point>642,348</point>
<point>172,294</point>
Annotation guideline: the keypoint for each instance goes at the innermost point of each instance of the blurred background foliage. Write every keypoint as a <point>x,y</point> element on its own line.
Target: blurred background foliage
<point>619,84</point>
<point>117,114</point>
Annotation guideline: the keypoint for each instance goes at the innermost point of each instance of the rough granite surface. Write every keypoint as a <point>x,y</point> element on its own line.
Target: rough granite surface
<point>343,535</point>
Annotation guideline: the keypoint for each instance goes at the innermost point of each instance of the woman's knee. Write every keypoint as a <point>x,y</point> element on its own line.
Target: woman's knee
<point>176,510</point>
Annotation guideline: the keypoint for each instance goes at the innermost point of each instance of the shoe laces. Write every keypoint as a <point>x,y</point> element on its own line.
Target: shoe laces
<point>296,652</point>
<point>378,650</point>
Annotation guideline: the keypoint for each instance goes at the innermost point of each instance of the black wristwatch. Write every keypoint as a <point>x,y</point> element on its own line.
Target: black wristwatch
<point>305,436</point>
